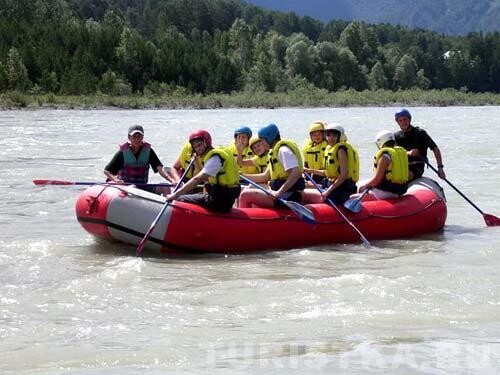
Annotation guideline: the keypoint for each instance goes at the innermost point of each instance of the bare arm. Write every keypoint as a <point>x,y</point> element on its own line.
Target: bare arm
<point>174,171</point>
<point>165,175</point>
<point>342,155</point>
<point>190,185</point>
<point>439,161</point>
<point>293,176</point>
<point>259,178</point>
<point>382,166</point>
<point>112,177</point>
<point>247,162</point>
<point>317,172</point>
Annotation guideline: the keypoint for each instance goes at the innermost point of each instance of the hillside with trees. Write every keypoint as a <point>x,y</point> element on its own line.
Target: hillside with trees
<point>120,47</point>
<point>457,17</point>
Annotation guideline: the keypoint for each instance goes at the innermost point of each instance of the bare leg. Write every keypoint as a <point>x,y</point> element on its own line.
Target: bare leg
<point>411,176</point>
<point>311,196</point>
<point>253,197</point>
<point>163,190</point>
<point>382,194</point>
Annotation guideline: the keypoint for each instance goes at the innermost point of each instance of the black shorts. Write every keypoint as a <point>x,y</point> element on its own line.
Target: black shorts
<point>293,194</point>
<point>391,187</point>
<point>343,192</point>
<point>151,189</point>
<point>217,198</point>
<point>417,171</point>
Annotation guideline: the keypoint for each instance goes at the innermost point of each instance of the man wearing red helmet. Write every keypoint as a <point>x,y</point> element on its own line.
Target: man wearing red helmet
<point>219,173</point>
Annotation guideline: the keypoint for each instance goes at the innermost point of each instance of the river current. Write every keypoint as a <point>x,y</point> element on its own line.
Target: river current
<point>71,305</point>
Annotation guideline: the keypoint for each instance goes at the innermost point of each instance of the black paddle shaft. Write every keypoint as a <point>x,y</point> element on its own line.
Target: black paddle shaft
<point>454,187</point>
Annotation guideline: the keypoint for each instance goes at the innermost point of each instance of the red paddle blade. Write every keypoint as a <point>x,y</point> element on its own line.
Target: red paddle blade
<point>52,182</point>
<point>491,220</point>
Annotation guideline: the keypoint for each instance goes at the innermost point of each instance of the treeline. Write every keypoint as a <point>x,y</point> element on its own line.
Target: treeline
<point>157,47</point>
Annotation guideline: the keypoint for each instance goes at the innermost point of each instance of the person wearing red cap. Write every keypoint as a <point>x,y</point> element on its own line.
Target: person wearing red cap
<point>130,164</point>
<point>219,173</point>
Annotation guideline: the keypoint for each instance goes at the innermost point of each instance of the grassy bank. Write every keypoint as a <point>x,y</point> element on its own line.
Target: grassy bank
<point>306,97</point>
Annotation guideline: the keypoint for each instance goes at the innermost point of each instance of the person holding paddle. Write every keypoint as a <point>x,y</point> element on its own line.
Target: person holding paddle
<point>219,173</point>
<point>391,169</point>
<point>340,167</point>
<point>313,150</point>
<point>416,141</point>
<point>181,163</point>
<point>131,163</point>
<point>284,172</point>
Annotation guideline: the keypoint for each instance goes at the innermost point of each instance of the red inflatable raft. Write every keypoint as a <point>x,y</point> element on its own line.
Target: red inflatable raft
<point>126,213</point>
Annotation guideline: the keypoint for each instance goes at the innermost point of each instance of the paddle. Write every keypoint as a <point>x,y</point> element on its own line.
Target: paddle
<point>490,220</point>
<point>354,204</point>
<point>155,221</point>
<point>63,182</point>
<point>301,211</point>
<point>363,238</point>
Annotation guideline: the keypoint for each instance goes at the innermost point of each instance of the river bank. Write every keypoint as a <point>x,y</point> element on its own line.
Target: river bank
<point>302,97</point>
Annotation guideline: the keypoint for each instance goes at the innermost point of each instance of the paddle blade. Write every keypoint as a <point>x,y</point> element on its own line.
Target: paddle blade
<point>301,211</point>
<point>491,220</point>
<point>353,205</point>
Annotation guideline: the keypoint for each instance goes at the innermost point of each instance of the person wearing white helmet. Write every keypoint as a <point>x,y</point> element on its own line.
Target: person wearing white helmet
<point>416,141</point>
<point>283,172</point>
<point>340,169</point>
<point>313,150</point>
<point>391,168</point>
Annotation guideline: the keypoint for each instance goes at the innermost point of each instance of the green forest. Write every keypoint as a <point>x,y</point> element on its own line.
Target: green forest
<point>204,47</point>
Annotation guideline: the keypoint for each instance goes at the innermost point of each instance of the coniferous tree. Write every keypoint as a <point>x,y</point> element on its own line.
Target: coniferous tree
<point>204,46</point>
<point>3,77</point>
<point>17,74</point>
<point>377,77</point>
<point>405,75</point>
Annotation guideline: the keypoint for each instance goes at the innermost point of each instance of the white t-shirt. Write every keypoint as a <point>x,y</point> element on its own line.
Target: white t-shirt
<point>212,166</point>
<point>287,158</point>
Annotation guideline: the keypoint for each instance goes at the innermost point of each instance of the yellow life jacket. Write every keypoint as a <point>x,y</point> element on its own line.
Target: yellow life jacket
<point>228,176</point>
<point>314,153</point>
<point>332,164</point>
<point>398,169</point>
<point>247,154</point>
<point>185,159</point>
<point>261,162</point>
<point>275,167</point>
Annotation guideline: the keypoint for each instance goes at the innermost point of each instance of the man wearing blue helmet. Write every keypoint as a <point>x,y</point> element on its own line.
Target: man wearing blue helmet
<point>416,141</point>
<point>284,172</point>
